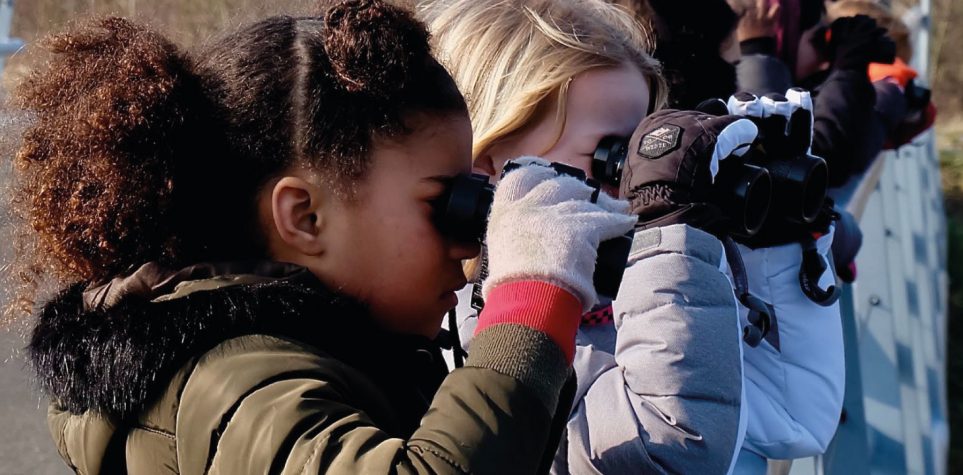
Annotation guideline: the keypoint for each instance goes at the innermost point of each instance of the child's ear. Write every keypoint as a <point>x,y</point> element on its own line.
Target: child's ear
<point>296,205</point>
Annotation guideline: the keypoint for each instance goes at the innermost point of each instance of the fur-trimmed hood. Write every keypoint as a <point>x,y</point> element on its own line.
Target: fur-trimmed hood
<point>112,348</point>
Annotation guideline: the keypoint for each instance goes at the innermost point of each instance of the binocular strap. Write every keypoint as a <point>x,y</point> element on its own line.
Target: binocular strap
<point>761,314</point>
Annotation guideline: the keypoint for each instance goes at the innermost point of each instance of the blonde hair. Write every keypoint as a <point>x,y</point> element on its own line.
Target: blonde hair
<point>894,27</point>
<point>510,57</point>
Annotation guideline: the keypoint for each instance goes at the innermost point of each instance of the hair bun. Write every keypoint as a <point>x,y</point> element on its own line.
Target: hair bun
<point>371,46</point>
<point>118,112</point>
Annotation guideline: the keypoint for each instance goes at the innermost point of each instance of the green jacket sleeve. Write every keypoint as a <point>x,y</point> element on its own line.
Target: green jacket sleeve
<point>259,404</point>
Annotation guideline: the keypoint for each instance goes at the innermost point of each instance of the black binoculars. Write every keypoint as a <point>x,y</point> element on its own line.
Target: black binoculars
<point>800,180</point>
<point>776,181</point>
<point>917,96</point>
<point>741,190</point>
<point>461,213</point>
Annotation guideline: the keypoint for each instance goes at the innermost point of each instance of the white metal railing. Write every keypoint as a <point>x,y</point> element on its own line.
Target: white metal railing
<point>894,320</point>
<point>895,324</point>
<point>895,314</point>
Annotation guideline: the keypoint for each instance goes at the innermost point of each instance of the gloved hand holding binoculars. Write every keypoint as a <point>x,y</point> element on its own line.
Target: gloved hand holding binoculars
<point>738,170</point>
<point>741,170</point>
<point>730,169</point>
<point>546,221</point>
<point>800,180</point>
<point>801,210</point>
<point>853,42</point>
<point>674,173</point>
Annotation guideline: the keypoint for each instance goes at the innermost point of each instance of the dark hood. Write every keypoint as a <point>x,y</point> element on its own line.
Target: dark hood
<point>111,348</point>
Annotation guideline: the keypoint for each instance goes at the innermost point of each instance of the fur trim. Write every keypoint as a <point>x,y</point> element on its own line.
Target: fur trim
<point>115,360</point>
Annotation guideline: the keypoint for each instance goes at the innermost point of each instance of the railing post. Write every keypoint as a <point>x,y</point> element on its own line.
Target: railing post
<point>848,453</point>
<point>8,45</point>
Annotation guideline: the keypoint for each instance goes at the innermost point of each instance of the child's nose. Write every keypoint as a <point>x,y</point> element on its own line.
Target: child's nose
<point>464,250</point>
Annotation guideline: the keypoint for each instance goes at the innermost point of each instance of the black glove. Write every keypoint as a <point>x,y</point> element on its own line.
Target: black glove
<point>854,42</point>
<point>673,159</point>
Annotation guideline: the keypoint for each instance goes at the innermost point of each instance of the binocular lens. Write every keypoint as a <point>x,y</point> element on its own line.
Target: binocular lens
<point>744,192</point>
<point>802,182</point>
<point>757,195</point>
<point>815,192</point>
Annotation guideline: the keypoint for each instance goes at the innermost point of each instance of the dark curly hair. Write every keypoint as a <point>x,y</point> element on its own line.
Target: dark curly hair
<point>138,151</point>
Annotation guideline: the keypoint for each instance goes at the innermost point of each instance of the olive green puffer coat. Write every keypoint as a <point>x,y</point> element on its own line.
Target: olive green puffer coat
<point>259,369</point>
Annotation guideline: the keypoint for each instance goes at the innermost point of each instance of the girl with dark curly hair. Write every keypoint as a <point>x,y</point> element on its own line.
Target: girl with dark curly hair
<point>251,266</point>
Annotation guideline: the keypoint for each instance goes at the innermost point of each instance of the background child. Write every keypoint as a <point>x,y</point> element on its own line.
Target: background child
<point>831,60</point>
<point>903,107</point>
<point>659,375</point>
<point>781,425</point>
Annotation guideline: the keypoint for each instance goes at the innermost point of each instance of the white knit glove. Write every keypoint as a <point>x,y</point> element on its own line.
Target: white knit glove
<point>749,105</point>
<point>544,227</point>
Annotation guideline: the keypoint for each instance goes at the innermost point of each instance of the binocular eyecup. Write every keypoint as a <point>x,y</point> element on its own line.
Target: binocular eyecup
<point>461,213</point>
<point>608,160</point>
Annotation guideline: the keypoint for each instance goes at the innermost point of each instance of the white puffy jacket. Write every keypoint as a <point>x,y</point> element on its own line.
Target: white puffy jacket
<point>795,378</point>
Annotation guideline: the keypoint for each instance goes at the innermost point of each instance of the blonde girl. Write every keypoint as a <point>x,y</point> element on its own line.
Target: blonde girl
<point>659,370</point>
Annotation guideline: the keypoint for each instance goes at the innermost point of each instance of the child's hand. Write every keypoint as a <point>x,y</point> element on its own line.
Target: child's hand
<point>856,41</point>
<point>543,226</point>
<point>758,20</point>
<point>673,158</point>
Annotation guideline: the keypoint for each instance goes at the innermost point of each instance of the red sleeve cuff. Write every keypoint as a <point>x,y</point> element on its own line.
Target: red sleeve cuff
<point>539,305</point>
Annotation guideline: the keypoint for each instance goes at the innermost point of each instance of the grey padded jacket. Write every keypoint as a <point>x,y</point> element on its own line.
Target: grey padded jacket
<point>659,388</point>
